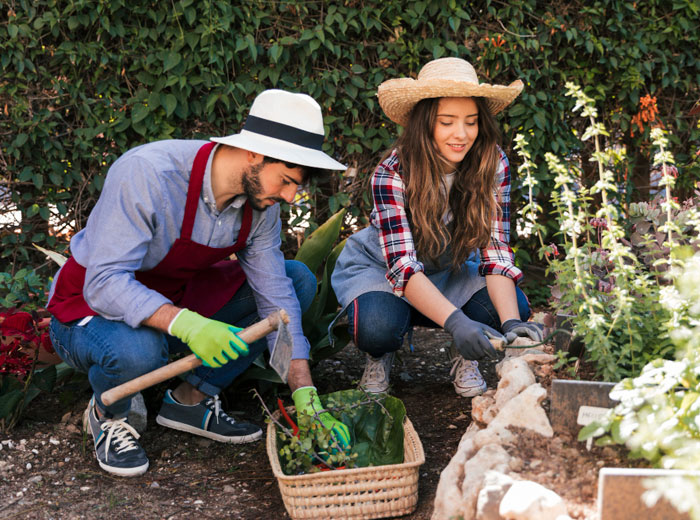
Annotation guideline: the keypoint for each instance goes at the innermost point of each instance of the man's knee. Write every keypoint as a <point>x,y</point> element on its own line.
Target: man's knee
<point>304,282</point>
<point>141,351</point>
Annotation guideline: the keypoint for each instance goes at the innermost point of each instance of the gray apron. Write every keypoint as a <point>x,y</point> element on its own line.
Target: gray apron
<point>361,268</point>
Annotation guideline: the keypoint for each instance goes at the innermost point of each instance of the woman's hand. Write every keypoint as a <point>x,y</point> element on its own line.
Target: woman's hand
<point>471,337</point>
<point>525,329</point>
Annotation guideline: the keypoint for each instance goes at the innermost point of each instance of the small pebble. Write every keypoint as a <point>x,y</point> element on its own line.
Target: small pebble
<point>229,489</point>
<point>55,442</point>
<point>85,488</point>
<point>155,485</point>
<point>198,502</point>
<point>29,465</point>
<point>35,479</point>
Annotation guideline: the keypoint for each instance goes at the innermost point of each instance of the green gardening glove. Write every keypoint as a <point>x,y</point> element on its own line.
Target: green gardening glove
<point>306,401</point>
<point>214,342</point>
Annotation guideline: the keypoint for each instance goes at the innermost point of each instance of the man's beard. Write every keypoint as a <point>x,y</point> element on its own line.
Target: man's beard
<point>252,187</point>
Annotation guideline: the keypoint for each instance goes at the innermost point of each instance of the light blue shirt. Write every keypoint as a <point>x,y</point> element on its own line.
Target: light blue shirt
<point>137,219</point>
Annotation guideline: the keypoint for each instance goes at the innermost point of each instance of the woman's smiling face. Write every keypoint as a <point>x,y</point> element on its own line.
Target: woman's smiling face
<point>456,128</point>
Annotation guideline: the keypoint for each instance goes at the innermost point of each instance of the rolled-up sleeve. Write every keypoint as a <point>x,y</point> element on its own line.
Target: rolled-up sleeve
<point>390,217</point>
<point>498,257</point>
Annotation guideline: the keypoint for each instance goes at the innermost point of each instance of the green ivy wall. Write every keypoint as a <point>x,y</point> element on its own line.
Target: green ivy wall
<point>84,80</point>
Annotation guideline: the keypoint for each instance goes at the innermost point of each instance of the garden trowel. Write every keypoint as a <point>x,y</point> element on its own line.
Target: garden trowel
<point>282,350</point>
<point>280,360</point>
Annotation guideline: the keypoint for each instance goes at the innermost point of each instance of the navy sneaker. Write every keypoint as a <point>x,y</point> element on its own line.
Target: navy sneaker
<point>116,446</point>
<point>207,419</point>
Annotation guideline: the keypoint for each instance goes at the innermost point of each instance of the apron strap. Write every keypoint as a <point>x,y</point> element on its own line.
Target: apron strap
<point>194,189</point>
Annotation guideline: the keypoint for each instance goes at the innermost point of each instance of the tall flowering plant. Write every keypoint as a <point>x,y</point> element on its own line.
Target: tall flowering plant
<point>614,297</point>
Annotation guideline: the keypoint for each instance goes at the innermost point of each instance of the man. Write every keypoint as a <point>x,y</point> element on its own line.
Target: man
<point>150,274</point>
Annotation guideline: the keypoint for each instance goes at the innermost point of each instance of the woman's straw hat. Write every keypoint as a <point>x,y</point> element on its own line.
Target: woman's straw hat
<point>444,77</point>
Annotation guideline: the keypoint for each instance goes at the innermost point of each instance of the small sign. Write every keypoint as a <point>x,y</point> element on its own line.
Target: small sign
<point>588,414</point>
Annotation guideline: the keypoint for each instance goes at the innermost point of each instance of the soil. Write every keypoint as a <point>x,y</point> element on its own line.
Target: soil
<point>48,469</point>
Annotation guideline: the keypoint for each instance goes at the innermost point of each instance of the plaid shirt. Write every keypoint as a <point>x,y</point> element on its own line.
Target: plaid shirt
<point>396,240</point>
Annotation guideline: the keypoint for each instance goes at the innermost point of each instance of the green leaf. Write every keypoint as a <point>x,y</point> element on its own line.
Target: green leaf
<point>319,244</point>
<point>169,101</point>
<point>172,59</point>
<point>10,400</point>
<point>139,113</point>
<point>45,379</point>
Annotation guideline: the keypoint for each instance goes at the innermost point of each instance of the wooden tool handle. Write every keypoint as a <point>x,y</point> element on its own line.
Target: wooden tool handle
<point>250,334</point>
<point>498,344</point>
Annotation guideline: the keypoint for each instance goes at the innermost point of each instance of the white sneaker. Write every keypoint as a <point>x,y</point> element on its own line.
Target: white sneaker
<point>466,377</point>
<point>375,378</point>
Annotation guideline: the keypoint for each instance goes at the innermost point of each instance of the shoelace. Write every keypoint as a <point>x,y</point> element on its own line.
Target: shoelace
<point>216,403</point>
<point>122,433</point>
<point>464,369</point>
<point>376,369</point>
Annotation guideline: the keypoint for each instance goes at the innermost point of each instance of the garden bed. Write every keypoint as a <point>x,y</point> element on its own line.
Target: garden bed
<point>189,474</point>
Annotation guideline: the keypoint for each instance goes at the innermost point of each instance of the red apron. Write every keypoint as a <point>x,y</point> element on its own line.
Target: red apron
<point>191,275</point>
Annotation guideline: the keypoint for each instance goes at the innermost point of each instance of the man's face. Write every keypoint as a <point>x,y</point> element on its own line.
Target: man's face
<point>267,183</point>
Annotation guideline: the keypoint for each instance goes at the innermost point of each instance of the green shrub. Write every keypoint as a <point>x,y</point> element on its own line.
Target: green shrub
<point>83,81</point>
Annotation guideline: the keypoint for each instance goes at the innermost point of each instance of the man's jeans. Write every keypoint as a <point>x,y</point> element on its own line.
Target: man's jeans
<point>378,321</point>
<point>111,352</point>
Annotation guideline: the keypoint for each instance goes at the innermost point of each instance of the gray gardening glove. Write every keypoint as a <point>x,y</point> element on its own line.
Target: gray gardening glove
<point>471,337</point>
<point>525,329</point>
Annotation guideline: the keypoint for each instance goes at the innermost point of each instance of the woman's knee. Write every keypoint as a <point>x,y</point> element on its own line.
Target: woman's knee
<point>378,322</point>
<point>304,282</point>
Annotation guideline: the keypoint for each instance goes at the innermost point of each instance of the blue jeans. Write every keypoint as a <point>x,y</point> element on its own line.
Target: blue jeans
<point>378,321</point>
<point>111,352</point>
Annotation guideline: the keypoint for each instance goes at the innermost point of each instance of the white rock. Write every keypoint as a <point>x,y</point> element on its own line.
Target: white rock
<point>516,376</point>
<point>489,499</point>
<point>538,358</point>
<point>155,485</point>
<point>484,409</point>
<point>461,480</point>
<point>524,411</point>
<point>55,442</point>
<point>494,435</point>
<point>35,479</point>
<point>198,502</point>
<point>490,457</point>
<point>527,500</point>
<point>29,465</point>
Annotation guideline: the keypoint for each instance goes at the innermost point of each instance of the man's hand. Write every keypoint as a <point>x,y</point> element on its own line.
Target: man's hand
<point>306,401</point>
<point>214,342</point>
<point>526,329</point>
<point>471,337</point>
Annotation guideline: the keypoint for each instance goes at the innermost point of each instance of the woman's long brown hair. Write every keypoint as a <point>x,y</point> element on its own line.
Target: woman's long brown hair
<point>472,198</point>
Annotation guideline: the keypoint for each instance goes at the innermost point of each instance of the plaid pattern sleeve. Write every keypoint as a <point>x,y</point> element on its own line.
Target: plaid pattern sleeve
<point>389,215</point>
<point>498,257</point>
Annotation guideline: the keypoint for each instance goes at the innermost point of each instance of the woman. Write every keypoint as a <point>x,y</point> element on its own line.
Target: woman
<point>441,197</point>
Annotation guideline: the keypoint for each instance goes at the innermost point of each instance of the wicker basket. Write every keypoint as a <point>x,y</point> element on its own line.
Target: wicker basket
<point>358,493</point>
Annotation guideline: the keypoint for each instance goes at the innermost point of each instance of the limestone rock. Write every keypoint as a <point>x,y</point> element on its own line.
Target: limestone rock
<point>515,377</point>
<point>526,500</point>
<point>524,411</point>
<point>490,457</point>
<point>489,499</point>
<point>484,408</point>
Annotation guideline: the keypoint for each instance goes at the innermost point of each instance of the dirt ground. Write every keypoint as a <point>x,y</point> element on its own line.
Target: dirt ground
<point>48,469</point>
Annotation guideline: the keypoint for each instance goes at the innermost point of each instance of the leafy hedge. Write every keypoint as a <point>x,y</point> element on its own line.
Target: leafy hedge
<point>84,80</point>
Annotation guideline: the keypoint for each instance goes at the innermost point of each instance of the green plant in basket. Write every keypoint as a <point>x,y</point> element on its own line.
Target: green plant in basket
<point>614,297</point>
<point>376,429</point>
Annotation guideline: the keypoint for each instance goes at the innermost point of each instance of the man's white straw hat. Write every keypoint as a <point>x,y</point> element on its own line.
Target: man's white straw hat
<point>285,126</point>
<point>444,77</point>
